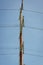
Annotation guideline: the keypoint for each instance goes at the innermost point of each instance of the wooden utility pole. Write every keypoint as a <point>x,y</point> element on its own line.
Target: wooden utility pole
<point>21,18</point>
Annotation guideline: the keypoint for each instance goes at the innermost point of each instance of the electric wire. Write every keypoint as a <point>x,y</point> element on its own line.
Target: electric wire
<point>8,26</point>
<point>25,49</point>
<point>15,26</point>
<point>9,9</point>
<point>33,11</point>
<point>9,48</point>
<point>37,55</point>
<point>24,53</point>
<point>35,28</point>
<point>33,54</point>
<point>10,54</point>
<point>33,50</point>
<point>23,10</point>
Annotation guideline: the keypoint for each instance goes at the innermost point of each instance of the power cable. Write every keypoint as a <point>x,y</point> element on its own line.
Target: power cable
<point>33,50</point>
<point>36,28</point>
<point>24,54</point>
<point>9,48</point>
<point>8,26</point>
<point>33,11</point>
<point>33,54</point>
<point>15,26</point>
<point>24,50</point>
<point>23,10</point>
<point>10,54</point>
<point>9,9</point>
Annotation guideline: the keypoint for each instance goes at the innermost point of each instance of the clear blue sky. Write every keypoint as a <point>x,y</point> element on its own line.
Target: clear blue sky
<point>9,37</point>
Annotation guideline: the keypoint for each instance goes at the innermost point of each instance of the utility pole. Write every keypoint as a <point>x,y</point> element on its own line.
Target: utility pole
<point>21,18</point>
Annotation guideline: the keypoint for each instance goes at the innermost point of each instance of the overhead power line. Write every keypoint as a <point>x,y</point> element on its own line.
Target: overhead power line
<point>35,28</point>
<point>9,48</point>
<point>23,10</point>
<point>33,11</point>
<point>9,9</point>
<point>37,55</point>
<point>8,26</point>
<point>15,26</point>
<point>33,54</point>
<point>10,54</point>
<point>26,49</point>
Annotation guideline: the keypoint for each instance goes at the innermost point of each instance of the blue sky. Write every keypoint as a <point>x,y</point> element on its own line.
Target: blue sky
<point>9,37</point>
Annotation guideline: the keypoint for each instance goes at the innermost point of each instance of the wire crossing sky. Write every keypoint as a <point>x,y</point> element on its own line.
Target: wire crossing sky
<point>32,32</point>
<point>23,10</point>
